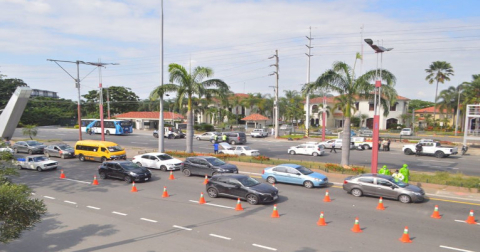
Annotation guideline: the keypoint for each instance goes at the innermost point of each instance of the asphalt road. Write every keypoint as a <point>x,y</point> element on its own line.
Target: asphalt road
<point>109,217</point>
<point>394,159</point>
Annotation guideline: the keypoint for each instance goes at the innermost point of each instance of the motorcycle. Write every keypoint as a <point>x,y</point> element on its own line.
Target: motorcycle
<point>464,149</point>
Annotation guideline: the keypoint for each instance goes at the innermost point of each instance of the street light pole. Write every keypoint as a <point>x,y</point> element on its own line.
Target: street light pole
<point>307,103</point>
<point>324,115</point>
<point>276,90</point>
<point>458,109</point>
<point>161,123</point>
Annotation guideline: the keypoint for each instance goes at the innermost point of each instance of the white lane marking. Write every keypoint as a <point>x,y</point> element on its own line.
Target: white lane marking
<point>70,202</point>
<point>450,197</point>
<point>33,193</point>
<point>221,237</point>
<point>457,249</point>
<point>264,247</point>
<point>464,221</point>
<point>92,207</point>
<point>210,204</point>
<point>253,173</point>
<point>123,214</point>
<point>184,228</point>
<point>138,143</point>
<point>154,221</point>
<point>78,181</point>
<point>48,197</point>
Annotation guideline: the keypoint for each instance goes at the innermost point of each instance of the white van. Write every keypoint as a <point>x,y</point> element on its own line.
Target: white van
<point>406,132</point>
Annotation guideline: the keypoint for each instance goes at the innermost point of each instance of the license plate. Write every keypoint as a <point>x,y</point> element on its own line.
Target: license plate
<point>146,179</point>
<point>275,197</point>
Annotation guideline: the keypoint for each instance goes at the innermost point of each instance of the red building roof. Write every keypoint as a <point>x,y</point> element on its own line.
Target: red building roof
<point>430,110</point>
<point>149,115</point>
<point>255,117</point>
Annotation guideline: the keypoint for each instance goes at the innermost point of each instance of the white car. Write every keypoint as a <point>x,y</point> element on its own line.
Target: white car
<point>312,149</point>
<point>406,132</point>
<point>338,144</point>
<point>36,162</point>
<point>7,149</point>
<point>259,133</point>
<point>238,150</point>
<point>158,160</point>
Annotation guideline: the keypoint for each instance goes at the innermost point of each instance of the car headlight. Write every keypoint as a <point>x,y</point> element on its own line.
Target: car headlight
<point>222,170</point>
<point>417,193</point>
<point>317,179</point>
<point>132,174</point>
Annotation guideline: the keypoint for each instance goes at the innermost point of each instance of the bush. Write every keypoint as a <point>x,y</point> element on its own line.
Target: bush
<point>203,127</point>
<point>75,126</point>
<point>261,158</point>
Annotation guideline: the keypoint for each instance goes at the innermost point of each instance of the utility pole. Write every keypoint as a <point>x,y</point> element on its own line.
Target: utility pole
<point>108,104</point>
<point>273,111</point>
<point>361,45</point>
<point>307,103</point>
<point>161,123</point>
<point>276,90</point>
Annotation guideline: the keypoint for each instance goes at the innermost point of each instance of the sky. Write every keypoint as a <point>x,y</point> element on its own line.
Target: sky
<point>235,38</point>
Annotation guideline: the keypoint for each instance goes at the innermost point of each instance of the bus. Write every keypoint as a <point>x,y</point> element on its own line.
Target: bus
<point>111,127</point>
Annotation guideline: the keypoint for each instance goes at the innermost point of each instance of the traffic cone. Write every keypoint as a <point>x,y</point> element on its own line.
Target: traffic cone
<point>206,180</point>
<point>62,175</point>
<point>380,204</point>
<point>202,199</point>
<point>274,185</point>
<point>321,220</point>
<point>239,206</point>
<point>436,214</point>
<point>275,212</point>
<point>471,218</point>
<point>95,181</point>
<point>171,176</point>
<point>405,237</point>
<point>134,188</point>
<point>165,193</point>
<point>327,197</point>
<point>356,226</point>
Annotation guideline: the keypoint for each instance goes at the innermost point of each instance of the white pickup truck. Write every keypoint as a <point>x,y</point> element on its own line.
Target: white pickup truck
<point>238,150</point>
<point>430,147</point>
<point>360,143</point>
<point>36,162</point>
<point>259,133</point>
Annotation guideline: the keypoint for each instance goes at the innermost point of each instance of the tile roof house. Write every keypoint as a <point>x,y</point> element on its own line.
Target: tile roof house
<point>441,115</point>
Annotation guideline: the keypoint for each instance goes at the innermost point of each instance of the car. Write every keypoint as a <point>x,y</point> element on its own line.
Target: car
<point>127,171</point>
<point>157,160</point>
<point>327,132</point>
<point>59,150</point>
<point>36,162</point>
<point>235,137</point>
<point>312,149</point>
<point>29,147</point>
<point>294,174</point>
<point>286,127</point>
<point>239,150</point>
<point>366,133</point>
<point>338,144</point>
<point>7,149</point>
<point>241,186</point>
<point>430,147</point>
<point>383,186</point>
<point>175,134</point>
<point>208,136</point>
<point>206,165</point>
<point>259,133</point>
<point>406,132</point>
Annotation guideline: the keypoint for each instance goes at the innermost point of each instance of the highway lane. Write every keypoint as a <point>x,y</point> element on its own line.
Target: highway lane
<point>211,225</point>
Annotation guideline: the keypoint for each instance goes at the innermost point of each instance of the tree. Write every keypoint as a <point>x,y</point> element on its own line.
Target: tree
<point>7,87</point>
<point>49,111</point>
<point>122,100</point>
<point>30,130</point>
<point>341,79</point>
<point>18,211</point>
<point>363,118</point>
<point>448,101</point>
<point>439,72</point>
<point>416,104</point>
<point>188,85</point>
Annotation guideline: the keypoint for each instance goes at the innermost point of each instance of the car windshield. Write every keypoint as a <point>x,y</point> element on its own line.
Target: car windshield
<point>115,148</point>
<point>247,148</point>
<point>40,159</point>
<point>164,157</point>
<point>248,181</point>
<point>215,161</point>
<point>304,170</point>
<point>398,182</point>
<point>65,147</point>
<point>33,143</point>
<point>129,166</point>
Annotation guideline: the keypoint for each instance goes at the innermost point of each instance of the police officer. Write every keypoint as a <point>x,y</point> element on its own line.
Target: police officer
<point>384,171</point>
<point>224,137</point>
<point>405,172</point>
<point>215,138</point>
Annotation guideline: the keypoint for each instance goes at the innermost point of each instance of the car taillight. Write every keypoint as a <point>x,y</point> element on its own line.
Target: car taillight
<point>61,152</point>
<point>263,171</point>
<point>345,182</point>
<point>238,138</point>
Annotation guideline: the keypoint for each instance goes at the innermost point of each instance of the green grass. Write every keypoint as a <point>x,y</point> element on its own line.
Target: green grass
<point>445,178</point>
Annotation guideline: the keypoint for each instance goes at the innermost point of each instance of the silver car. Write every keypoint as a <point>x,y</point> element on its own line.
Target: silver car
<point>207,136</point>
<point>383,186</point>
<point>59,150</point>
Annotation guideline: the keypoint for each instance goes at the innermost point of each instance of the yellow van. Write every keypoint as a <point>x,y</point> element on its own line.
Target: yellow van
<point>95,150</point>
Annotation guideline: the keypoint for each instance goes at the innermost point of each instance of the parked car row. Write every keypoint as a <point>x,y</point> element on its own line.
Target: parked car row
<point>233,137</point>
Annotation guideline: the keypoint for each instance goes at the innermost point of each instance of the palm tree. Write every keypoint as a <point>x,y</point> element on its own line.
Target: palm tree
<point>341,79</point>
<point>30,130</point>
<point>191,84</point>
<point>363,117</point>
<point>448,100</point>
<point>439,71</point>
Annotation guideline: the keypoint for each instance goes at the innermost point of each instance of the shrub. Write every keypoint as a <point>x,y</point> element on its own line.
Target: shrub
<point>203,127</point>
<point>75,126</point>
<point>333,167</point>
<point>261,158</point>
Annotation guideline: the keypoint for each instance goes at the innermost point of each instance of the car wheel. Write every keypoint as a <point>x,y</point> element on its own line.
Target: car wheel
<point>356,192</point>
<point>81,157</point>
<point>163,168</point>
<point>155,135</point>
<point>139,164</point>
<point>447,156</point>
<point>315,154</point>
<point>292,152</point>
<point>103,175</point>
<point>252,199</point>
<point>30,152</point>
<point>308,184</point>
<point>233,143</point>
<point>408,152</point>
<point>63,156</point>
<point>271,180</point>
<point>214,173</point>
<point>404,198</point>
<point>243,154</point>
<point>212,192</point>
<point>19,167</point>
<point>220,152</point>
<point>39,169</point>
<point>439,154</point>
<point>212,141</point>
<point>198,138</point>
<point>46,154</point>
<point>127,179</point>
<point>108,132</point>
<point>103,159</point>
<point>187,172</point>
<point>366,147</point>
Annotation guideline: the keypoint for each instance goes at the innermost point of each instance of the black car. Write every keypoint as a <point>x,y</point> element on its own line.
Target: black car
<point>59,150</point>
<point>205,165</point>
<point>125,170</point>
<point>29,147</point>
<point>241,186</point>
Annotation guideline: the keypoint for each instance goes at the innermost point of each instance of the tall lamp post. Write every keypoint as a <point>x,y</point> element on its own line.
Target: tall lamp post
<point>161,123</point>
<point>376,101</point>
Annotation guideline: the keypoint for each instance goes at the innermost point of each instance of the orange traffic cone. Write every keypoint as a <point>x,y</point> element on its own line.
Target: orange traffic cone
<point>327,197</point>
<point>134,188</point>
<point>471,218</point>
<point>321,221</point>
<point>380,204</point>
<point>275,212</point>
<point>436,214</point>
<point>274,185</point>
<point>165,193</point>
<point>95,181</point>
<point>405,237</point>
<point>206,180</point>
<point>202,199</point>
<point>171,176</point>
<point>356,226</point>
<point>239,206</point>
<point>62,175</point>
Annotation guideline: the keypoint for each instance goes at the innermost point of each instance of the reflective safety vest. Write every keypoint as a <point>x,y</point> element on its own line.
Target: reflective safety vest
<point>224,137</point>
<point>406,173</point>
<point>398,176</point>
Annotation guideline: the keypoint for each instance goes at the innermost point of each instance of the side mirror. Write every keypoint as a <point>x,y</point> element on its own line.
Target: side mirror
<point>236,186</point>
<point>298,174</point>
